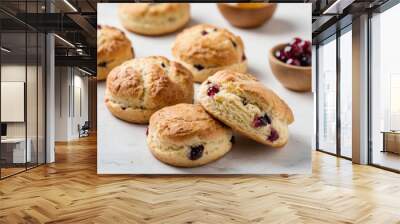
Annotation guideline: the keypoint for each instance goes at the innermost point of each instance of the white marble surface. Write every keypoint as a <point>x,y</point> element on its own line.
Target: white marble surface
<point>122,147</point>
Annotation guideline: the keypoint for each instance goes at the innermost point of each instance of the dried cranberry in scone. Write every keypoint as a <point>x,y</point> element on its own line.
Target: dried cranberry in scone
<point>196,152</point>
<point>212,90</point>
<point>273,136</point>
<point>261,121</point>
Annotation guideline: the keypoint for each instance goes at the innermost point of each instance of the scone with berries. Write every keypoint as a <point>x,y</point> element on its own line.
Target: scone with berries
<point>185,135</point>
<point>139,87</point>
<point>113,48</point>
<point>247,106</point>
<point>205,49</point>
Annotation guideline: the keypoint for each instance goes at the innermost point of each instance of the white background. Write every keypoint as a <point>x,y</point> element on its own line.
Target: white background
<point>122,147</point>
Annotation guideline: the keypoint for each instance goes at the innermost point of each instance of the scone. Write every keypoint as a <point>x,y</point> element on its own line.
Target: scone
<point>185,135</point>
<point>154,18</point>
<point>139,87</point>
<point>113,48</point>
<point>206,49</point>
<point>245,105</point>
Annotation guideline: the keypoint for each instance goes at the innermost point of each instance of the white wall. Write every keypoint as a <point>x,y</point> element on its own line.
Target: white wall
<point>71,94</point>
<point>80,110</point>
<point>61,103</point>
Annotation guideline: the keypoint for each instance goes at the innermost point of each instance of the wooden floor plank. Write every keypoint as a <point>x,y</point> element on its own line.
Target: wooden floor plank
<point>70,191</point>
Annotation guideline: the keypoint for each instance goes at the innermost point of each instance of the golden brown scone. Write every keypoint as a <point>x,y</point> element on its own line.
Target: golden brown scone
<point>247,106</point>
<point>154,18</point>
<point>113,48</point>
<point>185,135</point>
<point>205,49</point>
<point>139,87</point>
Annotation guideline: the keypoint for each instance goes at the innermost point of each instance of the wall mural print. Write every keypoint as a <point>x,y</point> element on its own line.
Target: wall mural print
<point>192,89</point>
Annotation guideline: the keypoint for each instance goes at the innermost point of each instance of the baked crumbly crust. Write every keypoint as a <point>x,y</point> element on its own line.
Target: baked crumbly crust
<point>139,87</point>
<point>175,130</point>
<point>200,76</point>
<point>113,48</point>
<point>240,99</point>
<point>154,18</point>
<point>205,49</point>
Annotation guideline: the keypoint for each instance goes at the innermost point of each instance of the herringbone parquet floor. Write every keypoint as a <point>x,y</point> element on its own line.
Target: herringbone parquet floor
<point>69,191</point>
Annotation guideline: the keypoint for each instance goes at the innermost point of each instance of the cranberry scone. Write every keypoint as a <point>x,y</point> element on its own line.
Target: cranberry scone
<point>139,87</point>
<point>113,48</point>
<point>185,135</point>
<point>154,19</point>
<point>205,49</point>
<point>248,107</point>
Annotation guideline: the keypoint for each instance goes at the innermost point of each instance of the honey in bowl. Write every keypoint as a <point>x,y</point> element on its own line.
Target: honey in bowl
<point>251,5</point>
<point>247,15</point>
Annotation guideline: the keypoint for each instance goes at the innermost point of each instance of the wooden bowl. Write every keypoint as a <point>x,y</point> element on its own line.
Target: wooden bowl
<point>247,15</point>
<point>297,78</point>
